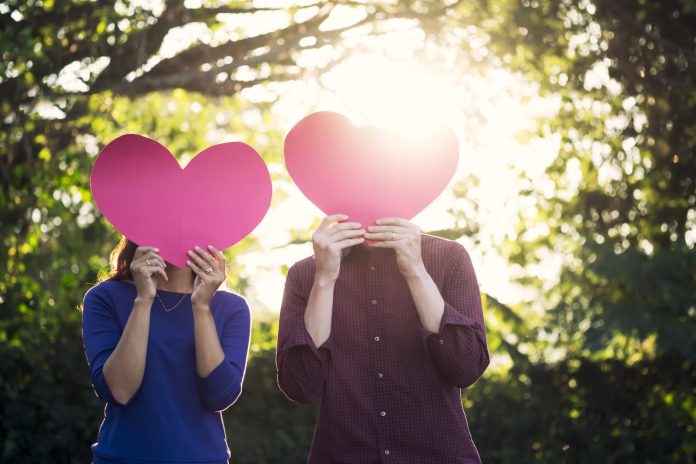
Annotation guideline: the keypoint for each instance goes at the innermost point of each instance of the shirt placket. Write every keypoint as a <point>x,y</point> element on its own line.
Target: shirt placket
<point>379,342</point>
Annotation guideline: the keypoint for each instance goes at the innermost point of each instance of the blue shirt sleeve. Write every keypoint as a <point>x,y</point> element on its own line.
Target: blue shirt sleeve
<point>101,332</point>
<point>221,388</point>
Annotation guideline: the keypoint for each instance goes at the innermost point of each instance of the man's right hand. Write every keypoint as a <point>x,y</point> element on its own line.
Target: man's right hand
<point>330,238</point>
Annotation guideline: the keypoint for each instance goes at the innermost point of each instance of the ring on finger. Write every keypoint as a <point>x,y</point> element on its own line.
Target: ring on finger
<point>147,261</point>
<point>209,270</point>
<point>393,236</point>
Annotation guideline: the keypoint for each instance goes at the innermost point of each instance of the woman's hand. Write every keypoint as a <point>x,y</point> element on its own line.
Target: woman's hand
<point>210,272</point>
<point>330,238</point>
<point>147,267</point>
<point>402,236</point>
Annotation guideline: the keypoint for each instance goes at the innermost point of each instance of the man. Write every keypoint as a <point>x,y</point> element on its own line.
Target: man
<point>384,326</point>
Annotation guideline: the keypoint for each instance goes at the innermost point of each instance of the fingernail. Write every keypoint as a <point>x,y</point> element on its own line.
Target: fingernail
<point>190,252</point>
<point>188,262</point>
<point>198,248</point>
<point>156,250</point>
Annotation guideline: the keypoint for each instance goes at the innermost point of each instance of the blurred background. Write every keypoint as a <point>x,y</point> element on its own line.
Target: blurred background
<point>575,196</point>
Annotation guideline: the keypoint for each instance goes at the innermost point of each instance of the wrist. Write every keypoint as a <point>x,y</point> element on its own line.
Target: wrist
<point>324,281</point>
<point>201,307</point>
<point>415,273</point>
<point>144,300</point>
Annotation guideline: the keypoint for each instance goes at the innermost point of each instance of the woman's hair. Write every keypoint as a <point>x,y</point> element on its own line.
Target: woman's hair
<point>120,261</point>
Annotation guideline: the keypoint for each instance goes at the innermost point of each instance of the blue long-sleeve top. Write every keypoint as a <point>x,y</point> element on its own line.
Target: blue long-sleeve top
<point>175,416</point>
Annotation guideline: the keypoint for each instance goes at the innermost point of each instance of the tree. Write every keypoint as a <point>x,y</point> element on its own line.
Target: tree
<point>73,75</point>
<point>617,368</point>
<point>607,375</point>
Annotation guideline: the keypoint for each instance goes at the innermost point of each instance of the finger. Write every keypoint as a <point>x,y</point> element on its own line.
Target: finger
<point>141,250</point>
<point>152,269</point>
<point>220,256</point>
<point>384,243</point>
<point>197,270</point>
<point>198,260</point>
<point>161,269</point>
<point>346,234</point>
<point>328,220</point>
<point>201,263</point>
<point>383,236</point>
<point>350,242</point>
<point>394,221</point>
<point>150,257</point>
<point>207,257</point>
<point>152,266</point>
<point>148,268</point>
<point>161,272</point>
<point>147,254</point>
<point>395,229</point>
<point>338,227</point>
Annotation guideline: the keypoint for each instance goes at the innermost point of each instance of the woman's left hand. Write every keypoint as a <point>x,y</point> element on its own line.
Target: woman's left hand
<point>210,271</point>
<point>404,238</point>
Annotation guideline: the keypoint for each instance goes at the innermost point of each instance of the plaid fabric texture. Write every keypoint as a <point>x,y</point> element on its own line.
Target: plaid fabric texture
<point>389,389</point>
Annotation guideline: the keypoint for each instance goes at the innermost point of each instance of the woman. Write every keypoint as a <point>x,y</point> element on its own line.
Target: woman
<point>167,351</point>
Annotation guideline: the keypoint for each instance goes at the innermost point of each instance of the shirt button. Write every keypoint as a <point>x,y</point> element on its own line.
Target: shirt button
<point>383,413</point>
<point>372,268</point>
<point>379,375</point>
<point>442,342</point>
<point>374,302</point>
<point>386,452</point>
<point>376,339</point>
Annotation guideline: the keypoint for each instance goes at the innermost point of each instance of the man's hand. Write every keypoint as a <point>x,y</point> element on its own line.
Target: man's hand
<point>402,236</point>
<point>329,240</point>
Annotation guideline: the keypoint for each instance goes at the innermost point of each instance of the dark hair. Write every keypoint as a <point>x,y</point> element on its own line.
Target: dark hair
<point>120,261</point>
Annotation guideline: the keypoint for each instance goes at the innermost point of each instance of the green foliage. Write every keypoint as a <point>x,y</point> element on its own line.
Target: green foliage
<point>609,374</point>
<point>604,373</point>
<point>264,426</point>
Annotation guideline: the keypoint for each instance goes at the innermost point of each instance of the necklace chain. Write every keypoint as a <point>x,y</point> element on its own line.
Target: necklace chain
<point>166,310</point>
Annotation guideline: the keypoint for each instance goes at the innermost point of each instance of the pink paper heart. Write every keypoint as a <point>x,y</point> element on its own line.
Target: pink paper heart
<point>217,199</point>
<point>368,173</point>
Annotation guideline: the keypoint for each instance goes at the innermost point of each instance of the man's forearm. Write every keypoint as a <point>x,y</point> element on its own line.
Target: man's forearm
<point>427,297</point>
<point>317,317</point>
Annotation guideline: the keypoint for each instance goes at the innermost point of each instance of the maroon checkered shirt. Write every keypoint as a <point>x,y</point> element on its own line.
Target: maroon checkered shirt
<point>389,389</point>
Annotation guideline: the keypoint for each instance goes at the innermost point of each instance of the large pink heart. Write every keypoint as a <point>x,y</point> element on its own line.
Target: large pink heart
<point>218,199</point>
<point>368,173</point>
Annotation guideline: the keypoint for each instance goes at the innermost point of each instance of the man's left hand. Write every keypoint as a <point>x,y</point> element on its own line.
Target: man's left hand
<point>404,237</point>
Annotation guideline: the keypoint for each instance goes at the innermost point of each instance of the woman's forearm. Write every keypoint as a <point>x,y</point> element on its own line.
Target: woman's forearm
<point>209,353</point>
<point>124,369</point>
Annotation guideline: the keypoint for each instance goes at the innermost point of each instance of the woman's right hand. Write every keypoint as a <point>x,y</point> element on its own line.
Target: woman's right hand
<point>329,240</point>
<point>147,267</point>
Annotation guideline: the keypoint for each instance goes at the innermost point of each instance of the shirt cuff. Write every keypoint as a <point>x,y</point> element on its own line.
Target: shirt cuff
<point>222,375</point>
<point>219,389</point>
<point>102,389</point>
<point>299,336</point>
<point>450,316</point>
